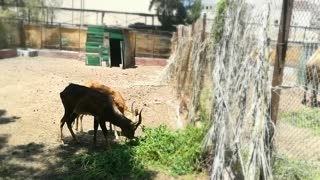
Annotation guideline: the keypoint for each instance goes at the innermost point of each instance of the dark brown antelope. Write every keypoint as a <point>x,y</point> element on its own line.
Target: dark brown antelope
<point>78,100</point>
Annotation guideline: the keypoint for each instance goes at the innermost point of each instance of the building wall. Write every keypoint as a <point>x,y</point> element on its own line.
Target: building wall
<point>152,45</point>
<point>49,37</point>
<point>143,44</point>
<point>137,6</point>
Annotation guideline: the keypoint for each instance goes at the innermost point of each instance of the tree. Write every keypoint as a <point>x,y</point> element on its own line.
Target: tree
<point>25,10</point>
<point>169,12</point>
<point>30,9</point>
<point>195,11</point>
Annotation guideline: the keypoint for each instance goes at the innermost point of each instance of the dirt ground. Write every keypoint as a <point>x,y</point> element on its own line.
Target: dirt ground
<point>31,109</point>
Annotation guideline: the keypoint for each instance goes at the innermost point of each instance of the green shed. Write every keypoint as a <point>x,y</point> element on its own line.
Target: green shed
<point>108,44</point>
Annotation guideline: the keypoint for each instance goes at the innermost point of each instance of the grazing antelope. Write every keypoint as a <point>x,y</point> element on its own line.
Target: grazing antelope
<point>77,100</point>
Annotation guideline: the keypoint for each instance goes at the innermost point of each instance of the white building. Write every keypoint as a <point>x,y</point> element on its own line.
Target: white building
<point>208,8</point>
<point>76,17</point>
<point>305,22</point>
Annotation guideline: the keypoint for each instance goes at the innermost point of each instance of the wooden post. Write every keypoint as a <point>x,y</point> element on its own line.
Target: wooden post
<point>202,54</point>
<point>102,18</point>
<point>22,34</point>
<point>153,42</point>
<point>79,38</point>
<point>281,50</point>
<point>60,37</point>
<point>72,12</point>
<point>203,62</point>
<point>41,39</point>
<point>128,55</point>
<point>47,15</point>
<point>204,22</point>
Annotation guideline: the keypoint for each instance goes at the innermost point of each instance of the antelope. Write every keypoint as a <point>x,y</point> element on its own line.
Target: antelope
<point>117,98</point>
<point>312,75</point>
<point>77,100</point>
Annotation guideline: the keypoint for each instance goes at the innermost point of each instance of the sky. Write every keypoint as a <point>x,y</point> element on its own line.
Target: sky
<point>204,2</point>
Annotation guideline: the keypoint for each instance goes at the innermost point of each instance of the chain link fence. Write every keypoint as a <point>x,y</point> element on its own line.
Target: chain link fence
<point>298,125</point>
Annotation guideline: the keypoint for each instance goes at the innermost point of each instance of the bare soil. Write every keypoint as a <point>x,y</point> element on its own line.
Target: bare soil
<point>31,109</point>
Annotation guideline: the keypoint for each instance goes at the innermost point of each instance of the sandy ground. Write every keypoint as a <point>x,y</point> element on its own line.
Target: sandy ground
<point>31,109</point>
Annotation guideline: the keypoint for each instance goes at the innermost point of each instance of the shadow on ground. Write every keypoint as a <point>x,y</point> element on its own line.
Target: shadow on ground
<point>6,120</point>
<point>70,160</point>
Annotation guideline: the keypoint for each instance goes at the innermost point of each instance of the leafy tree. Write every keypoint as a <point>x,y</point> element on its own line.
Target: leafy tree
<point>195,11</point>
<point>29,9</point>
<point>169,12</point>
<point>26,10</point>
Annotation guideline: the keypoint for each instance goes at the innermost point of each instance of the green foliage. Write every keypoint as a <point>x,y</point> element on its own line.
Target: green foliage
<point>8,31</point>
<point>65,41</point>
<point>218,25</point>
<point>285,168</point>
<point>169,12</point>
<point>195,11</point>
<point>176,152</point>
<point>304,118</point>
<point>117,163</point>
<point>29,11</point>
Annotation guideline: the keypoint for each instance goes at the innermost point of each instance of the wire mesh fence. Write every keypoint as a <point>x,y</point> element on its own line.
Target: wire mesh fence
<point>299,121</point>
<point>297,140</point>
<point>298,125</point>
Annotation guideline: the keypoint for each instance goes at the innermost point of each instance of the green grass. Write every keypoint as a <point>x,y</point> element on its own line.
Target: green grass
<point>287,169</point>
<point>305,118</point>
<point>175,153</point>
<point>117,163</point>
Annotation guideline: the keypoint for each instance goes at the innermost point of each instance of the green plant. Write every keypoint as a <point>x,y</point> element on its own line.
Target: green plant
<point>115,164</point>
<point>304,118</point>
<point>195,11</point>
<point>65,41</point>
<point>285,168</point>
<point>169,12</point>
<point>176,152</point>
<point>219,20</point>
